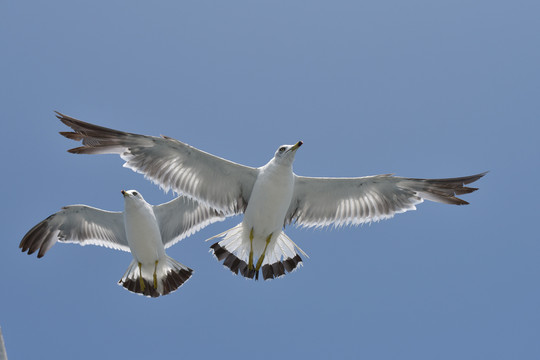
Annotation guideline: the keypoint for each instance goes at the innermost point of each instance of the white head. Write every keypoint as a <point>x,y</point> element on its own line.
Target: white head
<point>285,153</point>
<point>132,195</point>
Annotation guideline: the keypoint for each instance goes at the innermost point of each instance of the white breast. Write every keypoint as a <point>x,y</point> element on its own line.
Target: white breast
<point>270,199</point>
<point>142,232</point>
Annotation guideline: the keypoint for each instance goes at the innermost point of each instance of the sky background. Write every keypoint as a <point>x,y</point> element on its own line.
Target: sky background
<point>416,88</point>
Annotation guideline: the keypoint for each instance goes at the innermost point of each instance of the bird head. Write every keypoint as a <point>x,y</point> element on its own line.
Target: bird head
<point>285,153</point>
<point>132,194</point>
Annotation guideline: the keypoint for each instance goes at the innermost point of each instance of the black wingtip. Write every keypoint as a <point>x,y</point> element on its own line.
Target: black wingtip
<point>473,178</point>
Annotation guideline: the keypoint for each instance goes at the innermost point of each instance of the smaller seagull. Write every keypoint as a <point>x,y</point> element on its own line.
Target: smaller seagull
<point>142,229</point>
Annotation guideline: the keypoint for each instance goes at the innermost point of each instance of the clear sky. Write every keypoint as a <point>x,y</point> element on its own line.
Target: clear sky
<point>415,88</point>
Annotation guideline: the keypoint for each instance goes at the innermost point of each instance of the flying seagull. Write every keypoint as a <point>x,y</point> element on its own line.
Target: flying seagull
<point>270,196</point>
<point>142,229</point>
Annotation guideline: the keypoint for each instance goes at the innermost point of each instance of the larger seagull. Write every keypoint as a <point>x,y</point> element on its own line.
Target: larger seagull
<point>270,196</point>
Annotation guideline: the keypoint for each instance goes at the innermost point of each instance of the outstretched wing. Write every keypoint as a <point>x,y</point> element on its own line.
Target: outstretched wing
<point>182,217</point>
<point>170,163</point>
<point>319,202</point>
<point>79,224</point>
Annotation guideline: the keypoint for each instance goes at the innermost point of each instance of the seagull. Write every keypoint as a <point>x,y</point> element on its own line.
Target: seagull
<point>142,229</point>
<point>270,197</point>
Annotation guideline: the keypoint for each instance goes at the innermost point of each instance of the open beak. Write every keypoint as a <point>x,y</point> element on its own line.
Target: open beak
<point>296,146</point>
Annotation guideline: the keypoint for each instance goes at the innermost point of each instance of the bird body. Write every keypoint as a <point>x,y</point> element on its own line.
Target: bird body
<point>149,270</point>
<point>264,218</point>
<point>142,229</point>
<point>270,197</point>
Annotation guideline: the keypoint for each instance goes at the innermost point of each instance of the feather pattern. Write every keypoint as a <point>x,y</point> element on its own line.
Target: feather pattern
<point>170,163</point>
<point>320,202</point>
<point>182,217</point>
<point>80,224</point>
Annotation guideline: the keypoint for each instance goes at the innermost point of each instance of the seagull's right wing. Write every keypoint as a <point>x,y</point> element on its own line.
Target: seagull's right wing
<point>79,224</point>
<point>170,163</point>
<point>182,217</point>
<point>319,202</point>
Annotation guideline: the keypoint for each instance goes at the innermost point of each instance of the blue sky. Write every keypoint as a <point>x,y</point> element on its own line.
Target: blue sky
<point>416,88</point>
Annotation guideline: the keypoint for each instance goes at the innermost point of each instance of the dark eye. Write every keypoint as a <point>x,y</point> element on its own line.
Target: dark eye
<point>135,193</point>
<point>282,149</point>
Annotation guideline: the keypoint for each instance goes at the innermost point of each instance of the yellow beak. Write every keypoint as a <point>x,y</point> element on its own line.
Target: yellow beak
<point>296,146</point>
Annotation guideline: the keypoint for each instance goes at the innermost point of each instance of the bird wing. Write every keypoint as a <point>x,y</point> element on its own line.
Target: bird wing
<point>79,224</point>
<point>170,163</point>
<point>182,217</point>
<point>319,202</point>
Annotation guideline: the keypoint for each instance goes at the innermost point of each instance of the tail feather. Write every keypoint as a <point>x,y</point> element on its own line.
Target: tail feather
<point>280,257</point>
<point>170,276</point>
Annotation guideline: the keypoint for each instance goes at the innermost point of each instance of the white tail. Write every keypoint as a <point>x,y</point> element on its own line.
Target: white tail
<point>170,275</point>
<point>280,256</point>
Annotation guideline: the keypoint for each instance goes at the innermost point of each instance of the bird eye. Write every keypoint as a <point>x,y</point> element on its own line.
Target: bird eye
<point>134,193</point>
<point>282,149</point>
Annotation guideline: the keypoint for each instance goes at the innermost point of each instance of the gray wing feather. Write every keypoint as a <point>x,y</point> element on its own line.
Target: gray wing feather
<point>80,224</point>
<point>182,217</point>
<point>172,164</point>
<point>319,202</point>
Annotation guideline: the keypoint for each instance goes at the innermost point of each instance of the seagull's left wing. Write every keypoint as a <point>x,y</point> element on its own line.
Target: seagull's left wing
<point>79,224</point>
<point>172,164</point>
<point>182,217</point>
<point>319,202</point>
